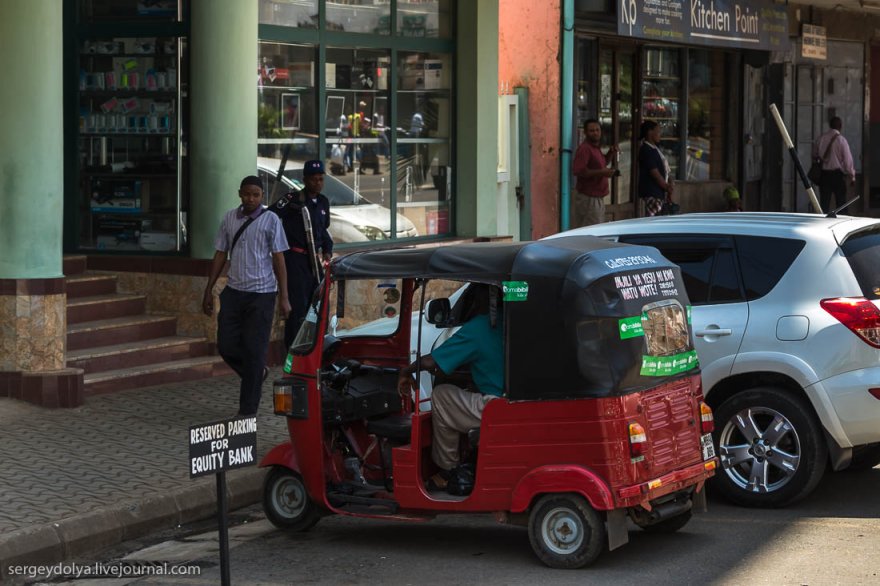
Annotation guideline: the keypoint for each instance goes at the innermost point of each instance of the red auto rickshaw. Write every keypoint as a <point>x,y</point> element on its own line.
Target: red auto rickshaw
<point>602,419</point>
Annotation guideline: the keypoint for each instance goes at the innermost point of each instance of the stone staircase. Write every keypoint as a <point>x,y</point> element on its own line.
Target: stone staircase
<point>119,346</point>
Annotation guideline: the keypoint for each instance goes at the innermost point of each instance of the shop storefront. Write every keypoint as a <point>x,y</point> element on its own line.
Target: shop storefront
<point>682,65</point>
<point>368,87</point>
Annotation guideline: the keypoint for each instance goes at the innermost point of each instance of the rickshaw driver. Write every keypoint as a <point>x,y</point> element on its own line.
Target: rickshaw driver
<point>479,345</point>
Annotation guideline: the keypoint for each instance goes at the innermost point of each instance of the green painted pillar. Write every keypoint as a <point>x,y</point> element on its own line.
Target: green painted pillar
<point>477,127</point>
<point>31,157</point>
<point>223,111</point>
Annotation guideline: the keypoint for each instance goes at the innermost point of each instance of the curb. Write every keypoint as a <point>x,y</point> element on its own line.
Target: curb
<point>85,533</point>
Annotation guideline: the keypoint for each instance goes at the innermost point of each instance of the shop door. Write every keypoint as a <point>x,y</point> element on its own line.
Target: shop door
<point>616,115</point>
<point>753,128</point>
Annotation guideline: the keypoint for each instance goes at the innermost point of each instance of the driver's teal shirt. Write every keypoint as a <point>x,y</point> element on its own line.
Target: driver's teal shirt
<point>480,346</point>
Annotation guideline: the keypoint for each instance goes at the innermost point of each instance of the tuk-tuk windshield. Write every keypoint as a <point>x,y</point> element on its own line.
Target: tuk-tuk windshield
<point>308,332</point>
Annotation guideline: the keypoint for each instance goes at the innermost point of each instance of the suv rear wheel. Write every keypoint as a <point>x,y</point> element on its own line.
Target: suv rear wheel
<point>771,448</point>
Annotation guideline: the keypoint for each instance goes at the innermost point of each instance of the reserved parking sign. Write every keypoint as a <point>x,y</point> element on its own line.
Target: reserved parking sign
<point>223,445</point>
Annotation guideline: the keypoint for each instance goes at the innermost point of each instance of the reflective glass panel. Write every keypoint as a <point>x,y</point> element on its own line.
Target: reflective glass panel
<point>423,187</point>
<point>425,18</point>
<point>358,142</point>
<point>291,13</point>
<point>359,16</point>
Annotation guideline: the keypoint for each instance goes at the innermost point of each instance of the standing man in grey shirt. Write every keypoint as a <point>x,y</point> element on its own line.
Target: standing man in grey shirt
<point>255,243</point>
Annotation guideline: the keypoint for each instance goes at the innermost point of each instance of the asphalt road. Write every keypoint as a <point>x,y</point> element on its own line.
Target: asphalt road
<point>831,538</point>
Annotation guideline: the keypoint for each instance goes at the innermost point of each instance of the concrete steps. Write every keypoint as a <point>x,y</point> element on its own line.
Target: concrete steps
<point>119,346</point>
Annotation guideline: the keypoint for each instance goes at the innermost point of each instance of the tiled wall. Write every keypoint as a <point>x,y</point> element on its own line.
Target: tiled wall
<point>32,332</point>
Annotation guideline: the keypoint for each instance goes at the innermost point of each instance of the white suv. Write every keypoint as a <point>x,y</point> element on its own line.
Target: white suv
<point>787,325</point>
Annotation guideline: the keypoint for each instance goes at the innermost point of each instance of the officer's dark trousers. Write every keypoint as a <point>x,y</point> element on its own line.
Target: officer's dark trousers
<point>300,287</point>
<point>243,329</point>
<point>832,182</point>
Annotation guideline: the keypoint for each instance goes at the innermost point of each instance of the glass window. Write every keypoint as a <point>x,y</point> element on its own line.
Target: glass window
<point>141,10</point>
<point>359,16</point>
<point>130,121</point>
<point>862,250</point>
<point>372,308</point>
<point>292,13</point>
<point>423,131</point>
<point>287,113</point>
<point>707,108</point>
<point>764,260</point>
<point>661,91</point>
<point>427,18</point>
<point>358,143</point>
<point>707,266</point>
<point>388,170</point>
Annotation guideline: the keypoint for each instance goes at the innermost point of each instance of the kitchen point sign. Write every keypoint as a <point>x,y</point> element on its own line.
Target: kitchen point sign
<point>747,24</point>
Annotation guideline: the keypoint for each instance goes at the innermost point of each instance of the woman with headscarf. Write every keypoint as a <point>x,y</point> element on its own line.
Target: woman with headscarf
<point>655,181</point>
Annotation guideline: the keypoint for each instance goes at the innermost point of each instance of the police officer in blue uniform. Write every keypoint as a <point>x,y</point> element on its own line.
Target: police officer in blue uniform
<point>301,280</point>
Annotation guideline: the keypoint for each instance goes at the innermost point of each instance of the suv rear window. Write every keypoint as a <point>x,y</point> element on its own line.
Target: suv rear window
<point>764,260</point>
<point>862,250</point>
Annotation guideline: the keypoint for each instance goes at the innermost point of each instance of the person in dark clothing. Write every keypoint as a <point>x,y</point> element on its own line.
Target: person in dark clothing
<point>247,303</point>
<point>656,186</point>
<point>837,164</point>
<point>301,281</point>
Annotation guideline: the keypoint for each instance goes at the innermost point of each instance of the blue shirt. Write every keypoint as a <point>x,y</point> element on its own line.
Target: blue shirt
<point>480,346</point>
<point>250,264</point>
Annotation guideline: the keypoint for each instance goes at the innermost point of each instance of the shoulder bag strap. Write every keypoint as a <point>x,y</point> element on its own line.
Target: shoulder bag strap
<point>828,148</point>
<point>235,238</point>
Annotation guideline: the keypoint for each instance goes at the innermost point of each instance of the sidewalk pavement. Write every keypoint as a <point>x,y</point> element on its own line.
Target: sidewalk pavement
<point>78,480</point>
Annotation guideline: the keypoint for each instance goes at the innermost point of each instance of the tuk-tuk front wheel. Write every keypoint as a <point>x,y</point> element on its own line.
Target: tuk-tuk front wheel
<point>286,501</point>
<point>565,531</point>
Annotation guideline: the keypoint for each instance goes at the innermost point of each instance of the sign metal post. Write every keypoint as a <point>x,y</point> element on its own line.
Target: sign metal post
<point>215,448</point>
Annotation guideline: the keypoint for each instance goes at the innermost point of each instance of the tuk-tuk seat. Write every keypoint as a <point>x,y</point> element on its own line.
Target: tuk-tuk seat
<point>397,428</point>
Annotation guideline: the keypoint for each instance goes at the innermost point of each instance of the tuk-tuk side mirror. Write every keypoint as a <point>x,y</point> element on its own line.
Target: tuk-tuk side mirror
<point>438,312</point>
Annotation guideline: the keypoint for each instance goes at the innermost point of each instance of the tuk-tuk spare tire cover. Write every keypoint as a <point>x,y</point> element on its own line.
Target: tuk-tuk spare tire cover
<point>616,322</point>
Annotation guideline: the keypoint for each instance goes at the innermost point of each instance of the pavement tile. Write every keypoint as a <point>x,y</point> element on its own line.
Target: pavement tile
<point>124,451</point>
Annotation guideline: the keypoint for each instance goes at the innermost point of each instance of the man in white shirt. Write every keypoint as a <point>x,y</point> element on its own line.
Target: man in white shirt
<point>837,165</point>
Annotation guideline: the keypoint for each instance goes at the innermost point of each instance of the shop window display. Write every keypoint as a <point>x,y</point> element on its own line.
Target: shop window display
<point>661,95</point>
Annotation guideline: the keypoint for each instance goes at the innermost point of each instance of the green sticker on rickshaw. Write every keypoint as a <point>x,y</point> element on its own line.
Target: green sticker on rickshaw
<point>515,290</point>
<point>688,309</point>
<point>630,327</point>
<point>669,365</point>
<point>288,363</point>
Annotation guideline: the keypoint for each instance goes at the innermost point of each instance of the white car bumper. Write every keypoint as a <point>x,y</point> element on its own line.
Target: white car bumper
<point>858,412</point>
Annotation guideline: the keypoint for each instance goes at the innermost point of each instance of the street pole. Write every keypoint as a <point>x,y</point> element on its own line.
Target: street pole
<point>808,185</point>
<point>223,528</point>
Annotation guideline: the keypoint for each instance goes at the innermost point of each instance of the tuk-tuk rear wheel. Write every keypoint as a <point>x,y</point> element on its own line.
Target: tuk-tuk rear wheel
<point>286,501</point>
<point>565,531</point>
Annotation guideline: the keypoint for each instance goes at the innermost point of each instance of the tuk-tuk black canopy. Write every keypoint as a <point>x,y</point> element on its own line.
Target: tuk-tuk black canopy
<point>584,317</point>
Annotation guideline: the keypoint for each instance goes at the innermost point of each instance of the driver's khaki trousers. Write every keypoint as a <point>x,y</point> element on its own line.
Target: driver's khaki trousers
<point>455,411</point>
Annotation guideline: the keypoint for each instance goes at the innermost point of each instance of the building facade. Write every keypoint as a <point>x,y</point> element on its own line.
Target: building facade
<point>142,117</point>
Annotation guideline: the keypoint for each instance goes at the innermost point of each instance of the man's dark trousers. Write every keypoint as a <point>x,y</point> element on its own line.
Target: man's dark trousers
<point>300,288</point>
<point>832,182</point>
<point>243,329</point>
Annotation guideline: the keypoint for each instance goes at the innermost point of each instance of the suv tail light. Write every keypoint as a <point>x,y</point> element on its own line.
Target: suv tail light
<point>858,314</point>
<point>637,441</point>
<point>707,419</point>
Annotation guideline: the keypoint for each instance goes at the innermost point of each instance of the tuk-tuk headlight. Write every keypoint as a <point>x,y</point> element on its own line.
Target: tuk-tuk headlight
<point>290,397</point>
<point>282,397</point>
